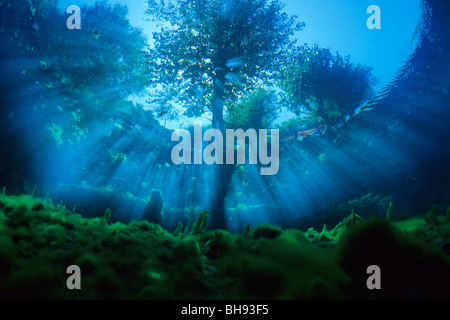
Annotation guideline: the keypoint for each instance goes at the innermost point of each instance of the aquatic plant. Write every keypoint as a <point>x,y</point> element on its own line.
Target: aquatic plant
<point>266,231</point>
<point>390,211</point>
<point>140,260</point>
<point>327,85</point>
<point>202,221</point>
<point>107,216</point>
<point>400,256</point>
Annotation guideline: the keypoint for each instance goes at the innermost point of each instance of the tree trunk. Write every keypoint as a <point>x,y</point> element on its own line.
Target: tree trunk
<point>217,109</point>
<point>222,172</point>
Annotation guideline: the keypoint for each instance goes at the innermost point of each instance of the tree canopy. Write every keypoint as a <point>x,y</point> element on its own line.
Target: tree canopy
<point>107,53</point>
<point>211,51</point>
<point>84,73</point>
<point>73,86</point>
<point>257,109</point>
<point>328,85</point>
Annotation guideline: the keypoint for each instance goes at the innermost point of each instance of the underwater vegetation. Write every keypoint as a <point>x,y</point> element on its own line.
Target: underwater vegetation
<point>140,260</point>
<point>352,191</point>
<point>75,115</point>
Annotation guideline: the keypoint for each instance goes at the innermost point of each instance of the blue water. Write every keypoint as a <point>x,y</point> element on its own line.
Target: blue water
<point>76,127</point>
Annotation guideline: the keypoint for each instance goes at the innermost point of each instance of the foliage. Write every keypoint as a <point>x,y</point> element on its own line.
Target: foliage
<point>74,86</point>
<point>200,225</point>
<point>80,74</point>
<point>208,52</point>
<point>106,53</point>
<point>258,109</point>
<point>328,85</point>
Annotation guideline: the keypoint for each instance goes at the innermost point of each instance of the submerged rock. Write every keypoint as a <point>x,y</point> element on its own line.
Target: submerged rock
<point>153,210</point>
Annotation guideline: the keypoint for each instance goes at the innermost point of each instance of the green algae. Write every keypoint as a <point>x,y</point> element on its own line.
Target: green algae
<point>140,260</point>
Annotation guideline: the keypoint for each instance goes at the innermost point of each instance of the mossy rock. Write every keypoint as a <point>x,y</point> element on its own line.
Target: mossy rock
<point>409,267</point>
<point>266,231</point>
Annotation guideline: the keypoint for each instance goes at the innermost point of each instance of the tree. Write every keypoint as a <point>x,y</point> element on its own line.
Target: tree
<point>107,54</point>
<point>328,86</point>
<point>210,52</point>
<point>78,82</point>
<point>97,67</point>
<point>215,50</point>
<point>257,110</point>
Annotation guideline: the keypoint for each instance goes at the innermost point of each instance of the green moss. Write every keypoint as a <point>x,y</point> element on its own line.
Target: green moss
<point>151,292</point>
<point>294,236</point>
<point>117,227</point>
<point>147,226</point>
<point>442,232</point>
<point>282,268</point>
<point>105,283</point>
<point>391,211</point>
<point>7,209</point>
<point>215,244</point>
<point>89,263</point>
<point>407,265</point>
<point>107,216</point>
<point>3,223</point>
<point>200,225</point>
<point>414,225</point>
<point>178,230</point>
<point>432,215</point>
<point>322,289</point>
<point>18,216</point>
<point>332,236</point>
<point>8,256</point>
<point>56,231</point>
<point>266,231</point>
<point>25,248</point>
<point>260,279</point>
<point>20,233</point>
<point>44,215</point>
<point>35,280</point>
<point>141,260</point>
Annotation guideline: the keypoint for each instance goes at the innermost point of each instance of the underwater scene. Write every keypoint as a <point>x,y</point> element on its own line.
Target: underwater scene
<point>225,150</point>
